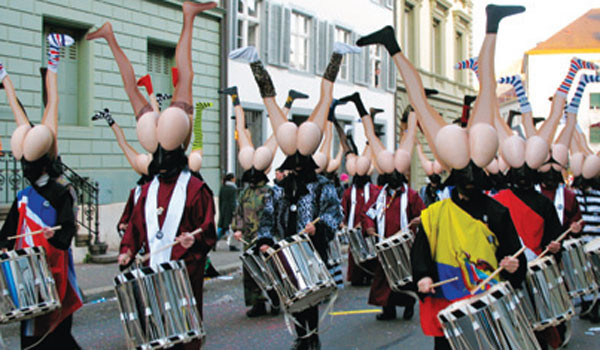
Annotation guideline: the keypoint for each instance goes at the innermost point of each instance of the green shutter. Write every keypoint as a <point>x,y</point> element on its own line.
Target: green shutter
<point>233,24</point>
<point>594,100</point>
<point>275,21</point>
<point>159,62</point>
<point>321,47</point>
<point>391,73</point>
<point>286,37</point>
<point>594,135</point>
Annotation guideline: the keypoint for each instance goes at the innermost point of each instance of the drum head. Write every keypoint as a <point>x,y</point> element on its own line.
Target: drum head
<point>593,247</point>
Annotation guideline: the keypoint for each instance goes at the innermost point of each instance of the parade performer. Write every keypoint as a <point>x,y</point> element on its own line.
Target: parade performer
<point>484,230</point>
<point>434,190</point>
<point>174,203</point>
<point>49,201</point>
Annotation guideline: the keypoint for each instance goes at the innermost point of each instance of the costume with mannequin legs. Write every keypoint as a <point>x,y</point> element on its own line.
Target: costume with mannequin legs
<point>465,156</point>
<point>305,138</point>
<point>174,186</point>
<point>47,202</point>
<point>146,82</point>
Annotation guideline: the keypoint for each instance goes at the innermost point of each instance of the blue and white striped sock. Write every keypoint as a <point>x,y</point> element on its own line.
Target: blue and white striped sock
<point>470,63</point>
<point>576,100</point>
<point>55,42</point>
<point>517,83</point>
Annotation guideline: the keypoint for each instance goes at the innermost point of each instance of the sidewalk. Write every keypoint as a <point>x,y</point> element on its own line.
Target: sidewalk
<point>96,280</point>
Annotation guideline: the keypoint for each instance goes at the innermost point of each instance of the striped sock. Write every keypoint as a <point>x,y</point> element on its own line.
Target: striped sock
<point>517,83</point>
<point>55,42</point>
<point>575,66</point>
<point>470,63</point>
<point>3,73</point>
<point>198,136</point>
<point>576,100</point>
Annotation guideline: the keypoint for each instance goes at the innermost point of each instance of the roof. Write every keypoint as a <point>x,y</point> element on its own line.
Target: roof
<point>581,36</point>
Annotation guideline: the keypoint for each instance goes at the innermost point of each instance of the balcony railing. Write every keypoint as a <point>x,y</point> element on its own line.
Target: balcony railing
<point>12,181</point>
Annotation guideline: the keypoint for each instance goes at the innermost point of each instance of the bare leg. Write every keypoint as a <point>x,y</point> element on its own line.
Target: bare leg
<point>326,146</point>
<point>319,114</point>
<point>527,121</point>
<point>244,139</point>
<point>425,163</point>
<point>483,111</point>
<point>276,115</point>
<point>18,112</point>
<point>137,100</point>
<point>50,117</point>
<point>550,125</point>
<point>336,162</point>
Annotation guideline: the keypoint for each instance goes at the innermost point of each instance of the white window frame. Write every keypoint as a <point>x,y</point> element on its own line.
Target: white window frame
<point>345,36</point>
<point>244,19</point>
<point>298,37</point>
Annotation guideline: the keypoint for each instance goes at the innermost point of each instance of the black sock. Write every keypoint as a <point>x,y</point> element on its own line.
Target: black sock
<point>263,79</point>
<point>355,98</point>
<point>495,14</point>
<point>385,37</point>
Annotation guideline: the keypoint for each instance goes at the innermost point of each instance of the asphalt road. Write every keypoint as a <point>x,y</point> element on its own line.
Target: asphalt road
<point>97,326</point>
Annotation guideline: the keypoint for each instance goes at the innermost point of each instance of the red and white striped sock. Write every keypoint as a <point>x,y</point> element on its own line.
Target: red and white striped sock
<point>575,66</point>
<point>2,72</point>
<point>55,42</point>
<point>470,63</point>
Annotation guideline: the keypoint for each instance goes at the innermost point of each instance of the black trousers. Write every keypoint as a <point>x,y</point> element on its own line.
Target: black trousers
<point>441,343</point>
<point>308,320</point>
<point>60,338</point>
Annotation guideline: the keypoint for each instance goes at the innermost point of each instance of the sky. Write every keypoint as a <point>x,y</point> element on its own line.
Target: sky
<point>519,33</point>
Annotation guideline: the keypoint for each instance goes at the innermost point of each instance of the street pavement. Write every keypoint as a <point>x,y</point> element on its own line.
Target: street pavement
<point>97,324</point>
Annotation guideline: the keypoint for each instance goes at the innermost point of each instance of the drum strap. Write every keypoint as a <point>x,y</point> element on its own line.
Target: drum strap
<point>290,319</point>
<point>160,236</point>
<point>559,202</point>
<point>366,195</point>
<point>136,194</point>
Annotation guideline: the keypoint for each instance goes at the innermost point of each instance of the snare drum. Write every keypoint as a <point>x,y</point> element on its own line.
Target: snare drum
<point>334,251</point>
<point>549,301</point>
<point>490,320</point>
<point>300,277</point>
<point>256,267</point>
<point>27,286</point>
<point>362,248</point>
<point>592,249</point>
<point>158,308</point>
<point>577,269</point>
<point>394,256</point>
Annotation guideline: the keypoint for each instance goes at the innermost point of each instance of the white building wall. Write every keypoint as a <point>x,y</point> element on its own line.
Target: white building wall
<point>545,72</point>
<point>359,16</point>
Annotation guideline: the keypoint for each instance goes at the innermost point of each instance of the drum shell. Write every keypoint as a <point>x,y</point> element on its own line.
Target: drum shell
<point>256,267</point>
<point>490,320</point>
<point>27,286</point>
<point>592,249</point>
<point>362,248</point>
<point>158,308</point>
<point>548,295</point>
<point>576,268</point>
<point>300,276</point>
<point>394,256</point>
<point>334,250</point>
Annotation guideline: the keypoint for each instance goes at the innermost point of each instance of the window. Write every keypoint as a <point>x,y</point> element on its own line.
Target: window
<point>247,23</point>
<point>389,3</point>
<point>342,35</point>
<point>70,81</point>
<point>459,50</point>
<point>595,100</point>
<point>160,59</point>
<point>436,46</point>
<point>300,41</point>
<point>408,31</point>
<point>376,65</point>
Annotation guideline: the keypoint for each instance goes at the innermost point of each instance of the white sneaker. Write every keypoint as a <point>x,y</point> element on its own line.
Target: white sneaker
<point>343,48</point>
<point>246,54</point>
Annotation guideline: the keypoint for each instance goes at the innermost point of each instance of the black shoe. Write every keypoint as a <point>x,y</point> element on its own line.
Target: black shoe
<point>297,94</point>
<point>430,92</point>
<point>300,344</point>
<point>388,314</point>
<point>233,248</point>
<point>469,99</point>
<point>232,90</point>
<point>409,312</point>
<point>275,310</point>
<point>314,343</point>
<point>259,309</point>
<point>374,111</point>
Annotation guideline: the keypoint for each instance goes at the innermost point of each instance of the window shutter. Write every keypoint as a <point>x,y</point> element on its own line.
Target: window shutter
<point>368,72</point>
<point>383,75</point>
<point>321,50</point>
<point>391,73</point>
<point>233,25</point>
<point>286,37</point>
<point>264,31</point>
<point>275,21</point>
<point>314,54</point>
<point>354,60</point>
<point>68,89</point>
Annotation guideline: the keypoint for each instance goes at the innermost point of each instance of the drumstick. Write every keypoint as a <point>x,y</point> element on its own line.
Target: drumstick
<point>55,228</point>
<point>170,245</point>
<point>495,273</point>
<point>312,222</point>
<point>560,238</point>
<point>441,283</point>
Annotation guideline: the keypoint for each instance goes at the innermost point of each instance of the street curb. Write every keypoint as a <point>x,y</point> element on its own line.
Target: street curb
<point>109,291</point>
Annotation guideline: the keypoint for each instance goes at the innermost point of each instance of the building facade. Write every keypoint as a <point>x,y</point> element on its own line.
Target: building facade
<point>435,35</point>
<point>546,65</point>
<point>89,79</point>
<point>295,40</point>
